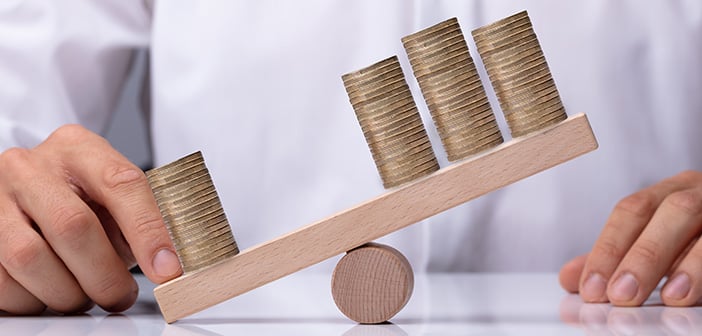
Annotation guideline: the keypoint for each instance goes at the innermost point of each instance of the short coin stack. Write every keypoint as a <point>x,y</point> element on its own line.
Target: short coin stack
<point>390,122</point>
<point>452,89</point>
<point>192,212</point>
<point>519,74</point>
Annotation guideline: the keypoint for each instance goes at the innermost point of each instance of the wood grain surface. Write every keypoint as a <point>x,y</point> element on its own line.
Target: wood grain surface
<point>387,213</point>
<point>372,283</point>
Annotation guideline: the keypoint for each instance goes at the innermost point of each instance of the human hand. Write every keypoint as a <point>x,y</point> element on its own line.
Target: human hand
<point>649,234</point>
<point>75,215</point>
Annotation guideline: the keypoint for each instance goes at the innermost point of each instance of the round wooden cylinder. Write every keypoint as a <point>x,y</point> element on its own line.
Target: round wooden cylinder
<point>372,283</point>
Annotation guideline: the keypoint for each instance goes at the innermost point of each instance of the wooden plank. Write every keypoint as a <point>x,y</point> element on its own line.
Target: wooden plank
<point>391,211</point>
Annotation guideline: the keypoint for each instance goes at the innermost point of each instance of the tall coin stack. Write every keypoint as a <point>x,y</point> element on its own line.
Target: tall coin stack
<point>192,212</point>
<point>390,122</point>
<point>519,74</point>
<point>452,89</point>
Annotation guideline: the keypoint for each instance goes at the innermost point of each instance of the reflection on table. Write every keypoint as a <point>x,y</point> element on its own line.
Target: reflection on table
<point>489,304</point>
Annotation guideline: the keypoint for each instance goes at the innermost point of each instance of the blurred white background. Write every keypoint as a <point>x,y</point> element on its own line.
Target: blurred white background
<point>128,131</point>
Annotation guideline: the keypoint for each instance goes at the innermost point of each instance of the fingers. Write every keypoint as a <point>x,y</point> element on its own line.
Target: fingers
<point>124,190</point>
<point>628,219</point>
<point>114,235</point>
<point>15,298</point>
<point>569,276</point>
<point>67,209</point>
<point>76,236</point>
<point>673,226</point>
<point>88,264</point>
<point>111,180</point>
<point>644,236</point>
<point>625,224</point>
<point>684,285</point>
<point>29,260</point>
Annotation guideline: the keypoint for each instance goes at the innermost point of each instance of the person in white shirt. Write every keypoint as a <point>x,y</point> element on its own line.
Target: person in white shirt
<point>256,86</point>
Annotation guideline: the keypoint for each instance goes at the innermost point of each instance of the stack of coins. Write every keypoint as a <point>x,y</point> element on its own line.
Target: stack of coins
<point>452,89</point>
<point>519,74</point>
<point>192,212</point>
<point>390,122</point>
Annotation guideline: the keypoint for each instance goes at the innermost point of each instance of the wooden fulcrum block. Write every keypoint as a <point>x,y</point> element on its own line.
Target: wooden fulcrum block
<point>372,283</point>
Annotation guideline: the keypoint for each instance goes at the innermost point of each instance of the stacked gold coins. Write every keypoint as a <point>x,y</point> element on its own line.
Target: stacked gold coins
<point>192,212</point>
<point>519,74</point>
<point>452,89</point>
<point>391,123</point>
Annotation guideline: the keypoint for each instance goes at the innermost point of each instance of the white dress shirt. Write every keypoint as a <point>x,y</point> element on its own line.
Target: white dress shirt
<point>256,85</point>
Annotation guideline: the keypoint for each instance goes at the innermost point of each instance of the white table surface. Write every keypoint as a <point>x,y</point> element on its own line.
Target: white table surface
<point>442,304</point>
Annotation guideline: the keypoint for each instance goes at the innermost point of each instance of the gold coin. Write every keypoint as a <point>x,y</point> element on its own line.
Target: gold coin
<point>519,73</point>
<point>192,212</point>
<point>416,40</point>
<point>501,26</point>
<point>451,86</point>
<point>390,121</point>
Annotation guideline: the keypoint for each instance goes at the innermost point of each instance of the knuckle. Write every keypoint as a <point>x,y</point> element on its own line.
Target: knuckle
<point>70,133</point>
<point>608,250</point>
<point>15,154</point>
<point>109,285</point>
<point>648,252</point>
<point>641,204</point>
<point>15,159</point>
<point>687,201</point>
<point>70,222</point>
<point>110,291</point>
<point>690,175</point>
<point>149,225</point>
<point>22,251</point>
<point>618,227</point>
<point>122,297</point>
<point>124,177</point>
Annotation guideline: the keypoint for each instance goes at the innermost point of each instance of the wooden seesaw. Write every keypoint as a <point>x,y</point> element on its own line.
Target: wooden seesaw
<point>543,138</point>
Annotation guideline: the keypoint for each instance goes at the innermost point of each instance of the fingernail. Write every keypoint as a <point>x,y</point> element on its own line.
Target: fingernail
<point>594,288</point>
<point>625,288</point>
<point>166,264</point>
<point>678,287</point>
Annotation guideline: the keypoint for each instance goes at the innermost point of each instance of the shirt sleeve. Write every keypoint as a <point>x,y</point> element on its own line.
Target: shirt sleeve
<point>64,62</point>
